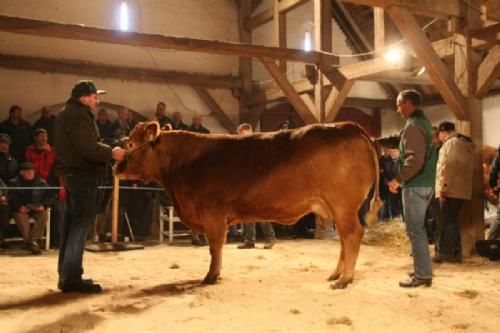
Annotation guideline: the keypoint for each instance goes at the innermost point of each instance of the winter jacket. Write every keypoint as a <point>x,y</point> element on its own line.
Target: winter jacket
<point>77,147</point>
<point>495,172</point>
<point>417,154</point>
<point>43,159</point>
<point>8,167</point>
<point>20,197</point>
<point>20,135</point>
<point>455,167</point>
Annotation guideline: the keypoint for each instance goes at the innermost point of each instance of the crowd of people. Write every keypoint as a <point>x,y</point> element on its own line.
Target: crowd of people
<point>27,166</point>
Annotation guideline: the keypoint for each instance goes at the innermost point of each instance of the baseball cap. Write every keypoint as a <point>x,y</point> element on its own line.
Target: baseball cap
<point>446,126</point>
<point>27,166</point>
<point>5,138</point>
<point>85,88</point>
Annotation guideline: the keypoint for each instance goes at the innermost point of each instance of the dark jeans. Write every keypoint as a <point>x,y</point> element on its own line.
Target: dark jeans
<point>266,227</point>
<point>78,220</point>
<point>4,219</point>
<point>449,235</point>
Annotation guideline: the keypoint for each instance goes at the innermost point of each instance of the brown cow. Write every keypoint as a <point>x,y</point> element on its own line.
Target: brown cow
<point>216,180</point>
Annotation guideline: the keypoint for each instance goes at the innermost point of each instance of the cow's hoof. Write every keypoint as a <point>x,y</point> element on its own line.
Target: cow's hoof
<point>340,284</point>
<point>210,279</point>
<point>333,277</point>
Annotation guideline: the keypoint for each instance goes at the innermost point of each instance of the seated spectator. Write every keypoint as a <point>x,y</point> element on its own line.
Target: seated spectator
<point>41,154</point>
<point>123,125</point>
<point>29,203</point>
<point>105,125</point>
<point>161,109</point>
<point>4,212</point>
<point>46,121</point>
<point>196,126</point>
<point>8,163</point>
<point>177,123</point>
<point>19,131</point>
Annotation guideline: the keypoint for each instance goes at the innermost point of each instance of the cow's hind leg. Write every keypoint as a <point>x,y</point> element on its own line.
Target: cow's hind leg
<point>216,239</point>
<point>351,233</point>
<point>340,264</point>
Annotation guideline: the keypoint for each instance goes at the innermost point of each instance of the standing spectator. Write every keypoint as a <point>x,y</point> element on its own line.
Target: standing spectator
<point>8,163</point>
<point>494,182</point>
<point>46,121</point>
<point>177,123</point>
<point>19,131</point>
<point>40,153</point>
<point>453,186</point>
<point>161,109</point>
<point>81,161</point>
<point>26,203</point>
<point>249,228</point>
<point>105,126</point>
<point>123,125</point>
<point>392,201</point>
<point>196,126</point>
<point>416,176</point>
<point>4,212</point>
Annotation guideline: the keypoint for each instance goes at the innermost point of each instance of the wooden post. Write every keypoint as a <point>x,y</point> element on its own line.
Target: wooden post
<point>471,219</point>
<point>378,28</point>
<point>322,42</point>
<point>280,31</point>
<point>116,198</point>
<point>245,63</point>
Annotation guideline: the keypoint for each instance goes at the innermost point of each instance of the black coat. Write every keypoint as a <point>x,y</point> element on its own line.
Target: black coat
<point>18,198</point>
<point>77,145</point>
<point>20,136</point>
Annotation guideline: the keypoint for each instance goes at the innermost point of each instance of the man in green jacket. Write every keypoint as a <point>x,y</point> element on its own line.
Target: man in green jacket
<point>417,173</point>
<point>81,161</point>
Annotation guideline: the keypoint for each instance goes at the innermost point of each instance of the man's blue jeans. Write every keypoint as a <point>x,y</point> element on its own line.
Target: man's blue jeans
<point>415,202</point>
<point>78,220</point>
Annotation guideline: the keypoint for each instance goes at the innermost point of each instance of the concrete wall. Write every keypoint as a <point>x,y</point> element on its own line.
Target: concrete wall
<point>192,18</point>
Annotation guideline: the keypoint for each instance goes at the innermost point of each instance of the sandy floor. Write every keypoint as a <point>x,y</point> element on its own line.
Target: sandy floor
<point>278,290</point>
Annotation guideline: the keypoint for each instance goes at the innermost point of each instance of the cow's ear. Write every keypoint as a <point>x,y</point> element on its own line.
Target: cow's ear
<point>152,131</point>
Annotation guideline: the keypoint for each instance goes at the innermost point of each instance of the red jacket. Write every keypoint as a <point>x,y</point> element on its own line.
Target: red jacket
<point>42,159</point>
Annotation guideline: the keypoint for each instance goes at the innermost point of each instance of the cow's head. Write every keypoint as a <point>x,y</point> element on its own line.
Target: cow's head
<point>140,159</point>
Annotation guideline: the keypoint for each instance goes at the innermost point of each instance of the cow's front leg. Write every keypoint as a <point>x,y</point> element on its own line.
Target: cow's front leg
<point>216,239</point>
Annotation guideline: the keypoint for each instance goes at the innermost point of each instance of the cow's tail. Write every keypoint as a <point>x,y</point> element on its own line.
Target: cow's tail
<point>371,216</point>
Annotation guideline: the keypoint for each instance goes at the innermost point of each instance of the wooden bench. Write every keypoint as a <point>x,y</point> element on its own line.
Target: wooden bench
<point>167,215</point>
<point>47,230</point>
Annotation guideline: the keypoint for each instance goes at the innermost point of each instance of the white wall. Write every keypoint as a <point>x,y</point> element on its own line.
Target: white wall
<point>207,19</point>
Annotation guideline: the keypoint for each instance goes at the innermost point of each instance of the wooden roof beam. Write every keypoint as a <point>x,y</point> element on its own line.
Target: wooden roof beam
<point>488,72</point>
<point>422,47</point>
<point>442,8</point>
<point>217,111</point>
<point>268,14</point>
<point>41,28</point>
<point>298,103</point>
<point>341,86</point>
<point>90,69</point>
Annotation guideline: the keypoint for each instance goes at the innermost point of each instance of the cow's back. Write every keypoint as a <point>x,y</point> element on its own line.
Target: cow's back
<point>276,176</point>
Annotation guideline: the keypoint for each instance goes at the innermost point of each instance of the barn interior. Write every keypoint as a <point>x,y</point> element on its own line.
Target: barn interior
<point>263,62</point>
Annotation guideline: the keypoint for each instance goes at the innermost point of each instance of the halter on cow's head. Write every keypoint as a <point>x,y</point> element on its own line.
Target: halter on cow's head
<point>139,145</point>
